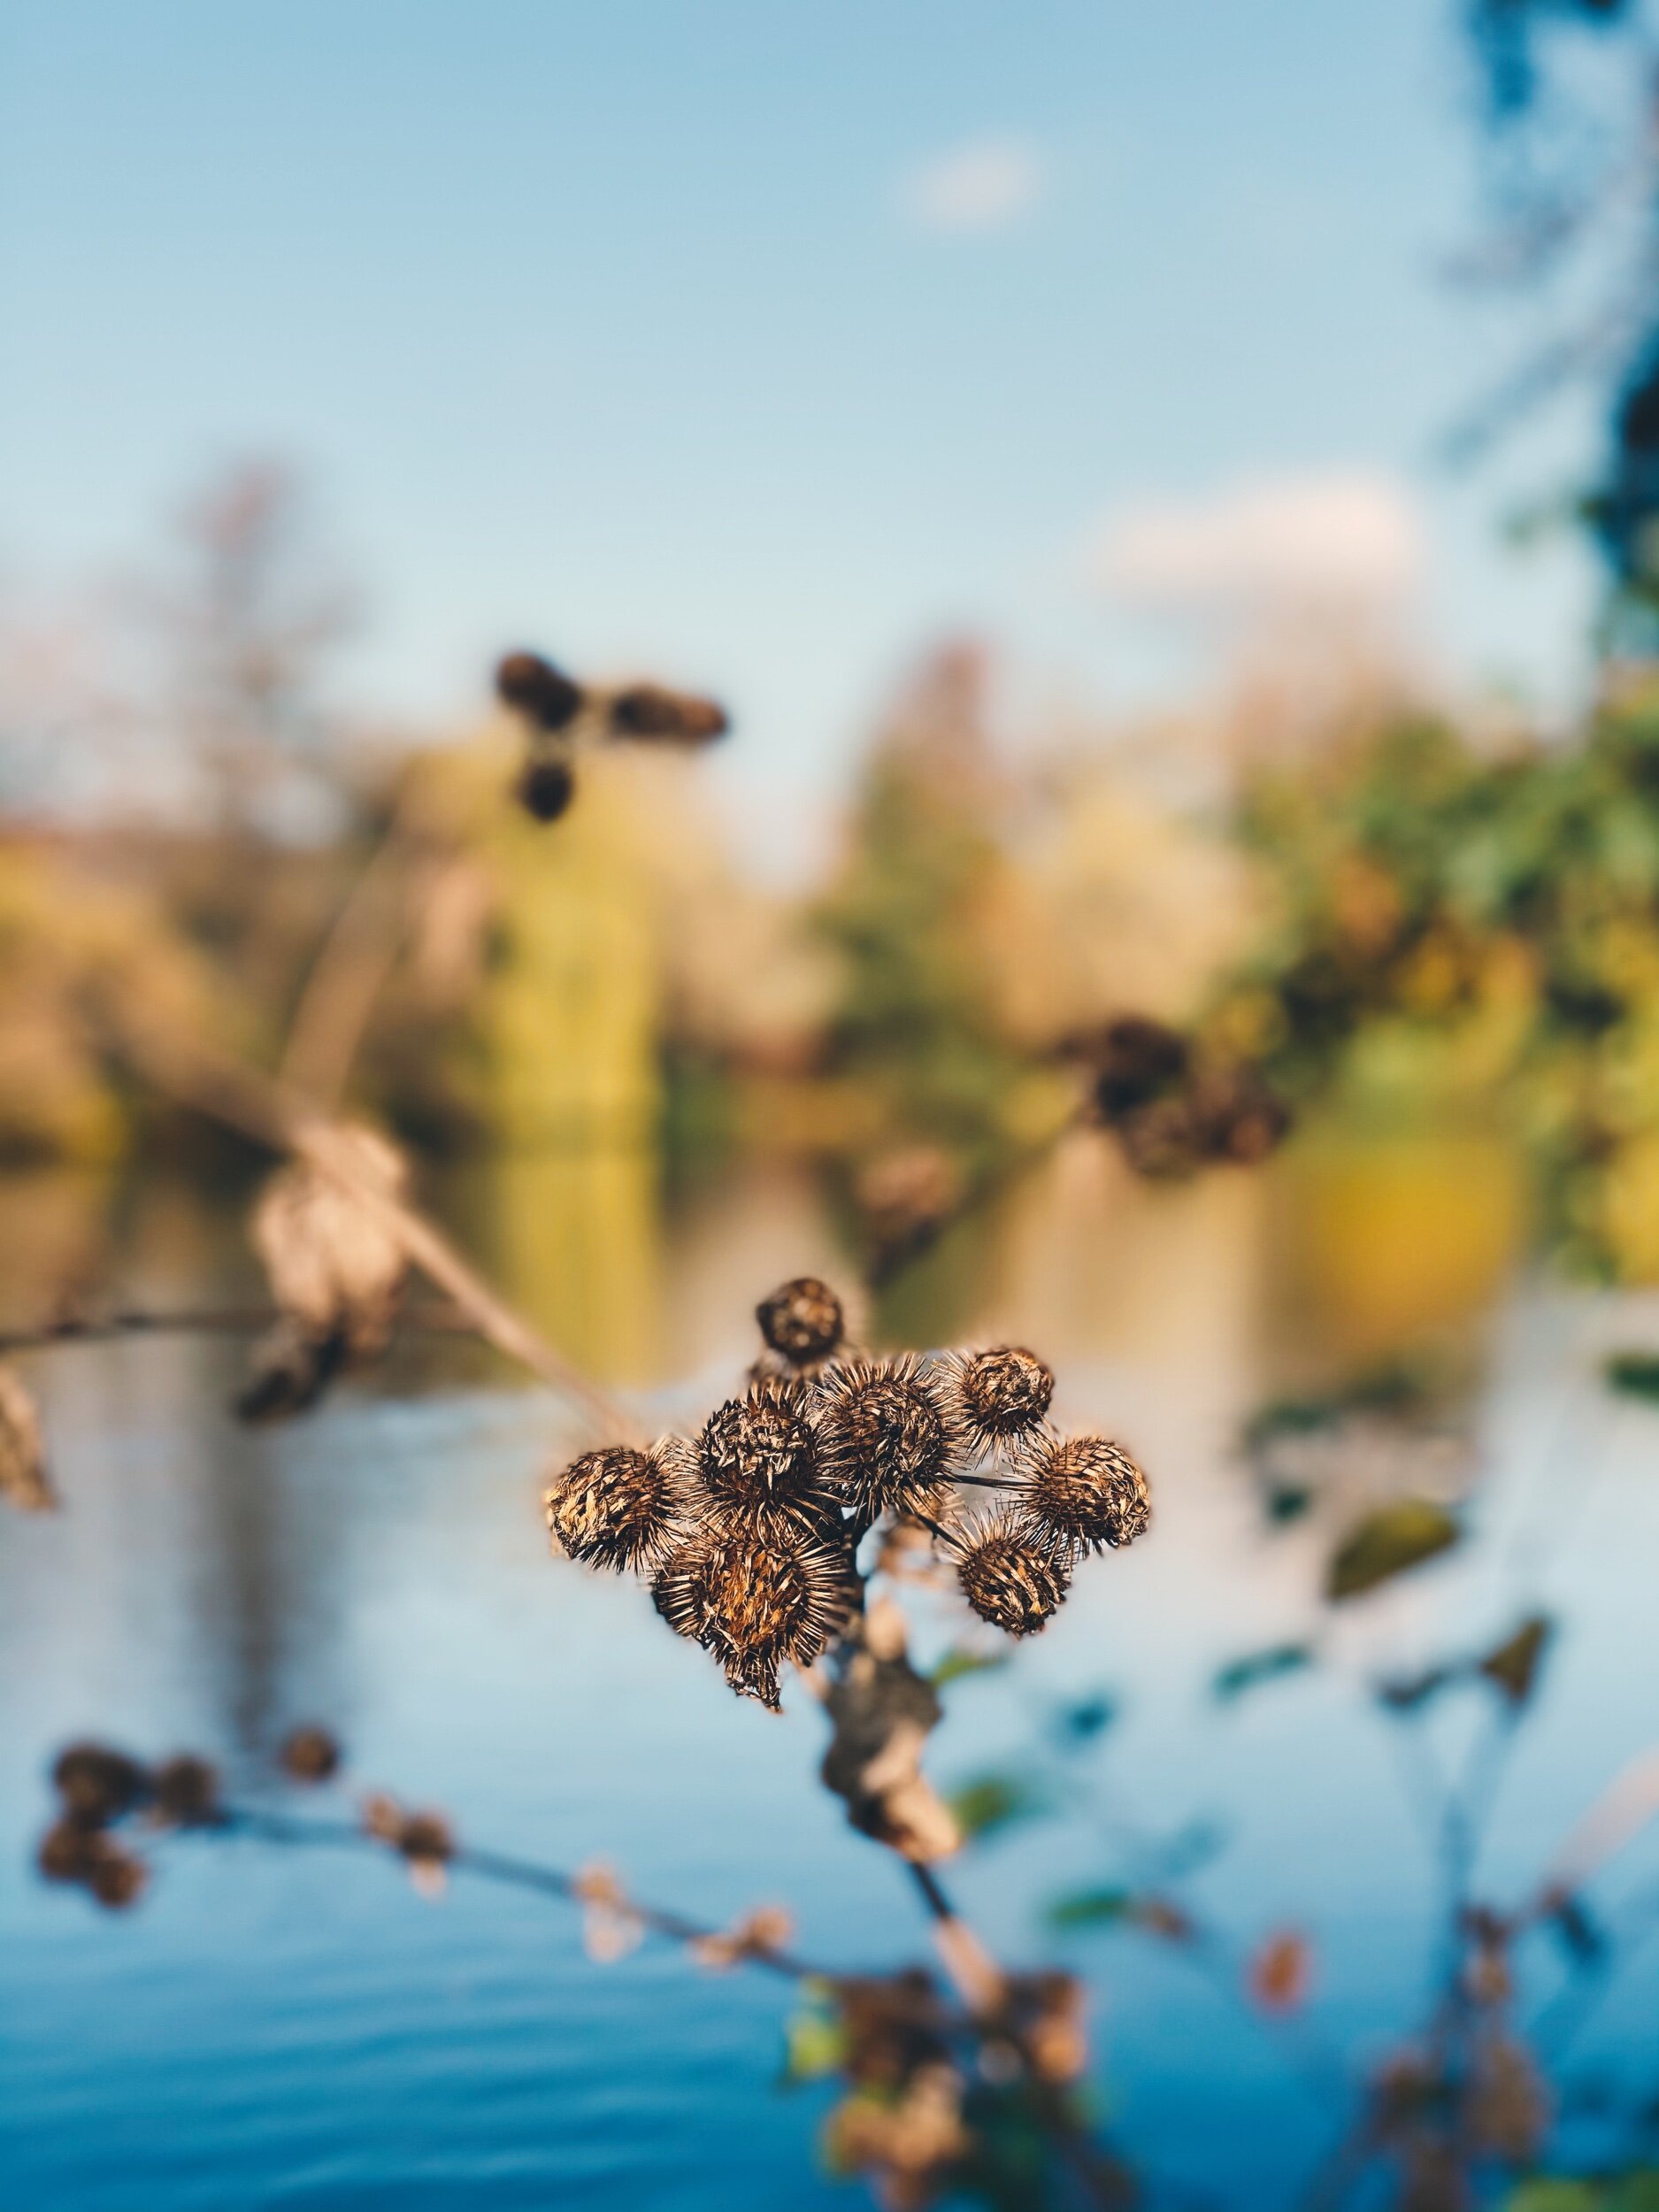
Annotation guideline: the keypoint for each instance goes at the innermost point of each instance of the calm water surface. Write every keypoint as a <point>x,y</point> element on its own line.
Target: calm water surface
<point>282,2029</point>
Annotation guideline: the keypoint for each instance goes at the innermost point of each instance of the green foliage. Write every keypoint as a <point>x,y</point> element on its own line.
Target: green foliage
<point>1252,1669</point>
<point>1091,1909</point>
<point>1635,1373</point>
<point>1458,929</point>
<point>1386,1543</point>
<point>958,1663</point>
<point>991,1802</point>
<point>908,917</point>
<point>1635,2192</point>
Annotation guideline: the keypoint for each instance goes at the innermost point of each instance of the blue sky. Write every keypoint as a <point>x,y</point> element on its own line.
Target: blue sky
<point>641,329</point>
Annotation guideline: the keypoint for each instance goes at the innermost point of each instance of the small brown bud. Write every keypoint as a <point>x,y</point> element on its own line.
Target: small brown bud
<point>802,1321</point>
<point>678,717</point>
<point>309,1755</point>
<point>97,1784</point>
<point>534,687</point>
<point>546,786</point>
<point>185,1791</point>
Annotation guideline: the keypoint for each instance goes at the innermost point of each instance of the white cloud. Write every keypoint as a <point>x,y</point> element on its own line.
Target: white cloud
<point>1348,539</point>
<point>986,185</point>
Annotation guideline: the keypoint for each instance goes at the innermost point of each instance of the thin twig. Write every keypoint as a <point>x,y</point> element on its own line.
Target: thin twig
<point>430,1318</point>
<point>357,956</point>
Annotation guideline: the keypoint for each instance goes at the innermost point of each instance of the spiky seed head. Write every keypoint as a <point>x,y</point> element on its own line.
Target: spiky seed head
<point>618,1508</point>
<point>757,1457</point>
<point>676,717</point>
<point>534,687</point>
<point>1011,1576</point>
<point>1084,1491</point>
<point>755,1601</point>
<point>1002,1393</point>
<point>802,1321</point>
<point>546,786</point>
<point>889,1436</point>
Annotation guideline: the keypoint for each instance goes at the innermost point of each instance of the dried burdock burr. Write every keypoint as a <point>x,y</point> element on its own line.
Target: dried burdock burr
<point>755,1601</point>
<point>675,718</point>
<point>802,1321</point>
<point>757,1457</point>
<point>1011,1575</point>
<point>24,1483</point>
<point>424,1840</point>
<point>620,1508</point>
<point>888,1436</point>
<point>1082,1490</point>
<point>546,786</point>
<point>309,1755</point>
<point>545,696</point>
<point>1001,1395</point>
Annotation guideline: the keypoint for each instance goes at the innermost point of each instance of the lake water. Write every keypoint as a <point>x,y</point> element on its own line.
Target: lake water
<point>281,2029</point>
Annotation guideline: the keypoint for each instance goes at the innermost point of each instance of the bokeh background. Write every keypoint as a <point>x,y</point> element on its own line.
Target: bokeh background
<point>1167,497</point>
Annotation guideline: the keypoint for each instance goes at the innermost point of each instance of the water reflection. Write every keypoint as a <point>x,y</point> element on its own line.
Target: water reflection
<point>289,2036</point>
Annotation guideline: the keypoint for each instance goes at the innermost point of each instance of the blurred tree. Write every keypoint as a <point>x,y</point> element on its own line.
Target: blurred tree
<point>916,893</point>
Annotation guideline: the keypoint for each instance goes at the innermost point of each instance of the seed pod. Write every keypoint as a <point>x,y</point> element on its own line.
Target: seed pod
<point>888,1436</point>
<point>1083,1490</point>
<point>1011,1576</point>
<point>534,687</point>
<point>309,1755</point>
<point>184,1792</point>
<point>678,717</point>
<point>1000,1395</point>
<point>97,1784</point>
<point>802,1321</point>
<point>546,786</point>
<point>620,1507</point>
<point>758,1459</point>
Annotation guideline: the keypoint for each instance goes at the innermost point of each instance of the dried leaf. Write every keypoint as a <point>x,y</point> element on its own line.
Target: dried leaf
<point>1513,1666</point>
<point>24,1484</point>
<point>1388,1542</point>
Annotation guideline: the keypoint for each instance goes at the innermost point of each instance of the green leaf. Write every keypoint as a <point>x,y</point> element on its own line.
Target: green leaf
<point>994,1801</point>
<point>1091,1909</point>
<point>1253,1668</point>
<point>1513,1666</point>
<point>959,1662</point>
<point>1546,2195</point>
<point>1386,1543</point>
<point>1636,1373</point>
